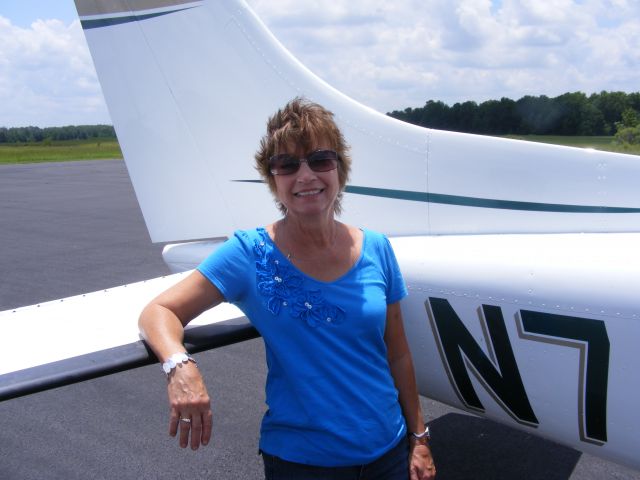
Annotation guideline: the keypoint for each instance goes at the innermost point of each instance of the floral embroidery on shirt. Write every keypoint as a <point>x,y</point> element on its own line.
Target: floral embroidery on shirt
<point>283,287</point>
<point>312,308</point>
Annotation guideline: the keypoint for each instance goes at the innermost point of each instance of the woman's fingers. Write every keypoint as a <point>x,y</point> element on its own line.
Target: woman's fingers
<point>185,428</point>
<point>195,429</point>
<point>196,433</point>
<point>207,427</point>
<point>174,419</point>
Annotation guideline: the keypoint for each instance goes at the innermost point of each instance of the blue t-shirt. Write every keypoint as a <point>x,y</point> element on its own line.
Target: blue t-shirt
<point>330,394</point>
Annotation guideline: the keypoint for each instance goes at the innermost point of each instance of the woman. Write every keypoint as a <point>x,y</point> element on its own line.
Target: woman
<point>325,297</point>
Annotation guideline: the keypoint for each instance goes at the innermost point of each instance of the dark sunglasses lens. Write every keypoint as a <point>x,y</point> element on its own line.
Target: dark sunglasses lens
<point>319,161</point>
<point>323,160</point>
<point>284,164</point>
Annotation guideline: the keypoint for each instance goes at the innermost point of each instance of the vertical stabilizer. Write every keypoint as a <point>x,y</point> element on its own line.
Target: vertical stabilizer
<point>190,85</point>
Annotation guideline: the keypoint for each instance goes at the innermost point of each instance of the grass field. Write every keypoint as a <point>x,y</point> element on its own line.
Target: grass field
<point>59,151</point>
<point>597,143</point>
<point>62,151</point>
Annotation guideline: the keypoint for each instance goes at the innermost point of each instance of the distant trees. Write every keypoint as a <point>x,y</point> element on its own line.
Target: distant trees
<point>568,114</point>
<point>37,134</point>
<point>574,113</point>
<point>628,129</point>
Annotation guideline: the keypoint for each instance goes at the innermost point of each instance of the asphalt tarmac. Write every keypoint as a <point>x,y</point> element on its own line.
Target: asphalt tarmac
<point>71,228</point>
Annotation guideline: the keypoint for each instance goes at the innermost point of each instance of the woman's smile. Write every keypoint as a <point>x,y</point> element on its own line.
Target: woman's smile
<point>306,193</point>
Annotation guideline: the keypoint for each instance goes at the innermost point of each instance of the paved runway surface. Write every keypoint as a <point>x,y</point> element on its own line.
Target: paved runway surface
<point>72,228</point>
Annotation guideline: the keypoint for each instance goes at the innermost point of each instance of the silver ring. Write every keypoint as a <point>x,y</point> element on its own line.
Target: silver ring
<point>185,420</point>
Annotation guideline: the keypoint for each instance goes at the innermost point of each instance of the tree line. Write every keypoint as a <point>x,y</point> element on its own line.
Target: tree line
<point>71,132</point>
<point>568,114</point>
<point>604,113</point>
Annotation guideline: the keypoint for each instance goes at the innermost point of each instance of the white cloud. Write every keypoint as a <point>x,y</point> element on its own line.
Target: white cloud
<point>391,55</point>
<point>47,77</point>
<point>388,55</point>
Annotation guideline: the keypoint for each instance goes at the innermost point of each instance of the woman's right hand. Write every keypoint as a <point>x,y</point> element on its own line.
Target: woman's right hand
<point>162,325</point>
<point>189,400</point>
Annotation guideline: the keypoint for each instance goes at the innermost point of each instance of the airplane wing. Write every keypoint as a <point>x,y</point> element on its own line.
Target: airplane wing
<point>96,334</point>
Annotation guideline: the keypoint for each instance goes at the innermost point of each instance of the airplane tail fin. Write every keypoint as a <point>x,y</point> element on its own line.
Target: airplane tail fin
<point>190,84</point>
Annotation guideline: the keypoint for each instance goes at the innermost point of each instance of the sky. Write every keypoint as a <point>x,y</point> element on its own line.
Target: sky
<point>387,55</point>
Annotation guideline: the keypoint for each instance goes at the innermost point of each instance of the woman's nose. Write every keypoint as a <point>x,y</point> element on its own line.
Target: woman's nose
<point>304,172</point>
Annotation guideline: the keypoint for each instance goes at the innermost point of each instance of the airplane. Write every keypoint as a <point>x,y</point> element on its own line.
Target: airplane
<point>521,258</point>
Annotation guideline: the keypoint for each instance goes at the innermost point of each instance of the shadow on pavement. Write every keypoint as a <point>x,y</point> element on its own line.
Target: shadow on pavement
<point>467,447</point>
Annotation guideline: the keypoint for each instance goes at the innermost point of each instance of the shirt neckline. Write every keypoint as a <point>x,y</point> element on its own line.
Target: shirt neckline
<point>263,232</point>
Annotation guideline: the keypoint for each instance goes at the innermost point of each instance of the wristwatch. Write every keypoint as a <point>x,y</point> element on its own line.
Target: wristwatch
<point>422,438</point>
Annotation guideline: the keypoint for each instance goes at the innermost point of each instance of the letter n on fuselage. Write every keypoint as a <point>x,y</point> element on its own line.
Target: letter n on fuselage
<point>460,354</point>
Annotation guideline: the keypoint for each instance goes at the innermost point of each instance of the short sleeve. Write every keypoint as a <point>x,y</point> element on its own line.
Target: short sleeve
<point>396,288</point>
<point>229,267</point>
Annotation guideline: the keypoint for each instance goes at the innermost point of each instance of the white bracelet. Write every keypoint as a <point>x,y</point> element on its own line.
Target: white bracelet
<point>176,359</point>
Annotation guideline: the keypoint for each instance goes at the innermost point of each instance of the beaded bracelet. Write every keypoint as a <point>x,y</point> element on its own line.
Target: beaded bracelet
<point>176,359</point>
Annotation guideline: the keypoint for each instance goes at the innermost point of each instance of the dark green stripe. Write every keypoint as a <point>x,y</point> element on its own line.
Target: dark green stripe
<point>477,202</point>
<point>484,202</point>
<point>107,22</point>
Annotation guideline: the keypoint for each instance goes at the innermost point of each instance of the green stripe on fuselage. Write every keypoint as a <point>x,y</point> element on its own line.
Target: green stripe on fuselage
<point>441,198</point>
<point>107,22</point>
<point>484,202</point>
<point>104,8</point>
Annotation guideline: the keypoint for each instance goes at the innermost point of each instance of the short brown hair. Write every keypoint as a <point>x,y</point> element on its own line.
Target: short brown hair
<point>302,122</point>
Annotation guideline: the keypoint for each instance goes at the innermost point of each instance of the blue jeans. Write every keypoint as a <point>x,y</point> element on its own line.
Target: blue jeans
<point>393,465</point>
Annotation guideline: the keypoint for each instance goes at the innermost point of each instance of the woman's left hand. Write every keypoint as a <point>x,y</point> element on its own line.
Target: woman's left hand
<point>421,466</point>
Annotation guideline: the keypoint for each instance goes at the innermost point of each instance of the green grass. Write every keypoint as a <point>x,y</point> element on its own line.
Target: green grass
<point>96,149</point>
<point>59,151</point>
<point>597,143</point>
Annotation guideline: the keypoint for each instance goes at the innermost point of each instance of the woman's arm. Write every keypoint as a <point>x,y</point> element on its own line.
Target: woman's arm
<point>162,326</point>
<point>421,466</point>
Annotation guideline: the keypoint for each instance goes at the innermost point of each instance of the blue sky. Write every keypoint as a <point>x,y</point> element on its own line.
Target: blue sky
<point>388,55</point>
<point>23,13</point>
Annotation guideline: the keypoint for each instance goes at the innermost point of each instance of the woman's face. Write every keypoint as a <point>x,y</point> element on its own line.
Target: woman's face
<point>306,192</point>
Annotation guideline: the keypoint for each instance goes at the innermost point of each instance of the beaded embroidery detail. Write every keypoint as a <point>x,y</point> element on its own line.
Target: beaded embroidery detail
<point>284,288</point>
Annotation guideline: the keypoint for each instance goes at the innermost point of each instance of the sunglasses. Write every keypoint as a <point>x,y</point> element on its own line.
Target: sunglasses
<point>318,161</point>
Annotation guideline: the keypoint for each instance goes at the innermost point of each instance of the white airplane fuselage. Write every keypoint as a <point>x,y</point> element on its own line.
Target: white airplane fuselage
<point>536,331</point>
